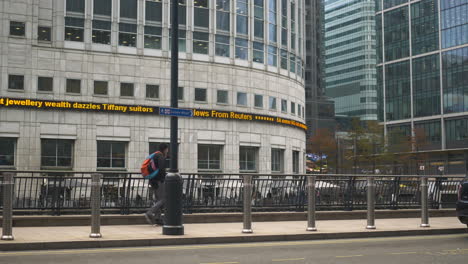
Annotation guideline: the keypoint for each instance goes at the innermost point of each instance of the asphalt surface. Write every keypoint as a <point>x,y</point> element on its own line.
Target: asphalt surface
<point>451,249</point>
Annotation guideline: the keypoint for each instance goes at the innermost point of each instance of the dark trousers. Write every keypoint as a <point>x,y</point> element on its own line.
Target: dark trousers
<point>159,200</point>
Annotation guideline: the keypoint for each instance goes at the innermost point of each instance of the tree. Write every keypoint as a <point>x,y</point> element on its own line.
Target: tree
<point>323,143</point>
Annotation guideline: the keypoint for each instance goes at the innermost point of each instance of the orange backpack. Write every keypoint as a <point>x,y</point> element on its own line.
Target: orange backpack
<point>149,168</point>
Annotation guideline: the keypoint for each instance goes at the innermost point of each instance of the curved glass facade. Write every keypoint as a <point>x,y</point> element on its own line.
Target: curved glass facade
<point>255,28</point>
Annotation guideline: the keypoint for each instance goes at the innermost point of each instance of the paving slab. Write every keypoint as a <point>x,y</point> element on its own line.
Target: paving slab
<point>66,237</point>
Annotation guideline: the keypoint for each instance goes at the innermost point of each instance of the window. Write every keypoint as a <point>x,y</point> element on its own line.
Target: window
<point>128,9</point>
<point>200,95</point>
<point>222,46</point>
<point>454,22</point>
<point>284,23</point>
<point>43,34</point>
<point>100,87</point>
<point>258,101</point>
<point>101,32</point>
<point>398,91</point>
<point>222,15</point>
<point>454,80</point>
<point>126,89</point>
<point>111,154</point>
<point>180,93</point>
<point>425,26</point>
<point>127,34</point>
<point>284,59</point>
<point>258,52</point>
<point>182,40</point>
<point>272,103</point>
<point>457,133</point>
<point>201,13</point>
<point>396,34</point>
<point>17,28</point>
<point>74,29</point>
<point>293,108</point>
<point>209,157</point>
<point>16,82</point>
<point>299,110</point>
<point>102,7</point>
<point>152,91</point>
<point>154,11</point>
<point>73,86</point>
<point>258,19</point>
<point>74,20</point>
<point>277,156</point>
<point>102,22</point>
<point>272,21</point>
<point>200,42</point>
<point>272,56</point>
<point>242,99</point>
<point>153,37</point>
<point>242,22</point>
<point>295,161</point>
<point>426,86</point>
<point>56,153</point>
<point>76,6</point>
<point>248,159</point>
<point>7,151</point>
<point>284,106</point>
<point>242,49</point>
<point>222,97</point>
<point>45,84</point>
<point>292,63</point>
<point>293,26</point>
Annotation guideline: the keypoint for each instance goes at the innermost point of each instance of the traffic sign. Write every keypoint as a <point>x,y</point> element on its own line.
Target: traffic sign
<point>175,112</point>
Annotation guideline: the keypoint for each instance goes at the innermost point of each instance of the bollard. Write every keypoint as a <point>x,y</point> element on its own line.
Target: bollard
<point>95,206</point>
<point>311,203</point>
<point>8,183</point>
<point>173,224</point>
<point>247,204</point>
<point>370,203</point>
<point>424,203</point>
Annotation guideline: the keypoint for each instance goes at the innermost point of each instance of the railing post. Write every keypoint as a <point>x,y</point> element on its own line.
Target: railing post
<point>311,204</point>
<point>247,204</point>
<point>8,184</point>
<point>370,203</point>
<point>424,203</point>
<point>95,206</point>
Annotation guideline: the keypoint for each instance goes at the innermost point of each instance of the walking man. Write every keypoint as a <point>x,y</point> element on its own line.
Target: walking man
<point>153,215</point>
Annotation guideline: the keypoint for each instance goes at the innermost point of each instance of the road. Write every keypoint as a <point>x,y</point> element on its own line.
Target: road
<point>451,249</point>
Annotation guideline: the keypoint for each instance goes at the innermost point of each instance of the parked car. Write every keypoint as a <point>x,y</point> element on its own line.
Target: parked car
<point>462,203</point>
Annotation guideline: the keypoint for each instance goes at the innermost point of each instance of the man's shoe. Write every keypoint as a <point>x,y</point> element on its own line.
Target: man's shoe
<point>150,219</point>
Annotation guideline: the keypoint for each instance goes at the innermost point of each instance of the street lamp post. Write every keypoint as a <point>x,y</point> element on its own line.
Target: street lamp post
<point>173,183</point>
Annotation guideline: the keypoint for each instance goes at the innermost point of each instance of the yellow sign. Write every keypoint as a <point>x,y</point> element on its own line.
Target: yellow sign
<point>117,108</point>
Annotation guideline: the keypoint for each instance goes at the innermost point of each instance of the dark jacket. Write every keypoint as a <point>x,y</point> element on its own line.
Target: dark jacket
<point>160,161</point>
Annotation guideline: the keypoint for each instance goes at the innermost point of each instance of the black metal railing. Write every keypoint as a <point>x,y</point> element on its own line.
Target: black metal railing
<point>65,192</point>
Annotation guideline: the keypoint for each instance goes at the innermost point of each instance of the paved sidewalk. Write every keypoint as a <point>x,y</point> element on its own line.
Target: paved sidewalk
<point>66,237</point>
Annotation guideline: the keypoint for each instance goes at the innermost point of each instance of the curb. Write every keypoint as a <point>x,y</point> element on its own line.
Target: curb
<point>138,219</point>
<point>219,240</point>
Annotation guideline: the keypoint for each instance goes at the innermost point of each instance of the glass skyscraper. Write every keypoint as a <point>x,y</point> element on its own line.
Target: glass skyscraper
<point>319,109</point>
<point>350,58</point>
<point>422,73</point>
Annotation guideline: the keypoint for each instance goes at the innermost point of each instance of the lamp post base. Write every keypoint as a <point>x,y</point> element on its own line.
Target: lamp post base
<point>425,225</point>
<point>247,231</point>
<point>311,229</point>
<point>370,227</point>
<point>173,230</point>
